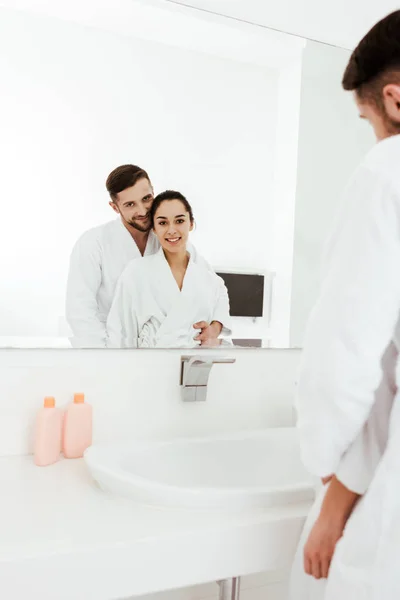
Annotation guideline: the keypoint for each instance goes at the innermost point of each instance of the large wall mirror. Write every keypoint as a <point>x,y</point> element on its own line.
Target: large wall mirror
<point>245,139</point>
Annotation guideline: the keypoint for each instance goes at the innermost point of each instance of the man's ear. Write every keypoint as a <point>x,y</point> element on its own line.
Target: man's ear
<point>114,206</point>
<point>391,100</point>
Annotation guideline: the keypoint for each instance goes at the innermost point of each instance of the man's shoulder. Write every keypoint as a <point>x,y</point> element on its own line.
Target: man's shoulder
<point>383,160</point>
<point>94,235</point>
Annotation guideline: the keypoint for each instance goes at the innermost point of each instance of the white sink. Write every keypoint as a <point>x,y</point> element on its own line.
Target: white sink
<point>227,472</point>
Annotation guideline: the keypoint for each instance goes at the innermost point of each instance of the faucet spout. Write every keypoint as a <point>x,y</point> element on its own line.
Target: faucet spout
<point>195,373</point>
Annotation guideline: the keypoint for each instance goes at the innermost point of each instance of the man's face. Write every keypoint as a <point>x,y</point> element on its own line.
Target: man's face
<point>134,203</point>
<point>385,122</point>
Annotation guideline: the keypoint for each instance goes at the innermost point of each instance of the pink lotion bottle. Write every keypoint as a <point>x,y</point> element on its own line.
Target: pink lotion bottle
<point>77,433</point>
<point>48,433</point>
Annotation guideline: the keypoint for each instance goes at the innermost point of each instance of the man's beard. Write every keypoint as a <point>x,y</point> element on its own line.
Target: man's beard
<point>142,226</point>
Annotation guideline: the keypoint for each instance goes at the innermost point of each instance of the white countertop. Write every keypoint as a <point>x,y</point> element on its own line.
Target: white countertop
<point>62,538</point>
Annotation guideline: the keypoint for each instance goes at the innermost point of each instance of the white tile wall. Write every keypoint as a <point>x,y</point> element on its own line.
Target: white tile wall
<point>137,393</point>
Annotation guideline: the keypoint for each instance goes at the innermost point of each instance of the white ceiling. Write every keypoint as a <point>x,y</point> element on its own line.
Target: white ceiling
<point>338,22</point>
<point>178,26</point>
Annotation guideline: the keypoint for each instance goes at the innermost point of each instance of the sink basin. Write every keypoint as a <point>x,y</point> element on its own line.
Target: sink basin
<point>227,472</point>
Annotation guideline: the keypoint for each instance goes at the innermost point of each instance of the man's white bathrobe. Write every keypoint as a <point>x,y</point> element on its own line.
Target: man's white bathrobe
<point>356,470</point>
<point>347,357</point>
<point>97,261</point>
<point>150,311</point>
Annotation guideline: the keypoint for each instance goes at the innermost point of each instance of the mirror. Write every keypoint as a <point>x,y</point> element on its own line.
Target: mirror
<point>249,125</point>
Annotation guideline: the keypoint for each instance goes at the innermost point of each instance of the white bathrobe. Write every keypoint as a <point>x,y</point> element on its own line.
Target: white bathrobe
<point>356,471</point>
<point>97,261</point>
<point>150,311</point>
<point>350,329</point>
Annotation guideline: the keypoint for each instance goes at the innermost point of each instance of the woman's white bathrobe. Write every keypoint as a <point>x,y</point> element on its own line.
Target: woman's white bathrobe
<point>343,365</point>
<point>150,311</point>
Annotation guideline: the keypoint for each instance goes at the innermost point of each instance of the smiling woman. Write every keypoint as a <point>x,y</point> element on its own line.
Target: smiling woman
<point>159,299</point>
<point>173,229</point>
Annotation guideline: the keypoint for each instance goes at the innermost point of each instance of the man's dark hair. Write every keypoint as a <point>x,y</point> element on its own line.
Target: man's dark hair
<point>170,195</point>
<point>124,177</point>
<point>376,60</point>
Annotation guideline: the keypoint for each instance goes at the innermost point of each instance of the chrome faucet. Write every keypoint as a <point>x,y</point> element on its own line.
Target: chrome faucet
<point>195,372</point>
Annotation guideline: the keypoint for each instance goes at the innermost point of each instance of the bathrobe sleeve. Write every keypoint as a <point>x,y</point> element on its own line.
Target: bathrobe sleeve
<point>222,308</point>
<point>220,311</point>
<point>84,279</point>
<point>358,464</point>
<point>122,322</point>
<point>351,325</point>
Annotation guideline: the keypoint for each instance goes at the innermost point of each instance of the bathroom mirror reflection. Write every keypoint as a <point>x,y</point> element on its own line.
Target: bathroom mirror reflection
<point>237,131</point>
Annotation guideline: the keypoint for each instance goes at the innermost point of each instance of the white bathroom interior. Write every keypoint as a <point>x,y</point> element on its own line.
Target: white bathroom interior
<point>239,106</point>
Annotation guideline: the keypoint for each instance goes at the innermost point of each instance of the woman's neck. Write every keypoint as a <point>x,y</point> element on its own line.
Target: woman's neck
<point>177,260</point>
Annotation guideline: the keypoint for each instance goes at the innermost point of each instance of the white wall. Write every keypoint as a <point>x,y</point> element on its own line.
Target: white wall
<point>137,393</point>
<point>284,201</point>
<point>332,141</point>
<point>74,103</point>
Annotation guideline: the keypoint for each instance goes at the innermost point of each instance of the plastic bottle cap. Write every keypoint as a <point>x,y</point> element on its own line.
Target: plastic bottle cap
<point>49,402</point>
<point>79,398</point>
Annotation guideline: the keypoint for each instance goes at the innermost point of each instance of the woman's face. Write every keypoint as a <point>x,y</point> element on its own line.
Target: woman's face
<point>172,225</point>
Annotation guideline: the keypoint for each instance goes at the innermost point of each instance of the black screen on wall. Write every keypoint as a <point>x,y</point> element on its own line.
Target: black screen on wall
<point>246,294</point>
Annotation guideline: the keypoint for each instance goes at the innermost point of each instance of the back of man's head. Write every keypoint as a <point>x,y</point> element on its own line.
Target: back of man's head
<point>124,177</point>
<point>376,61</point>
